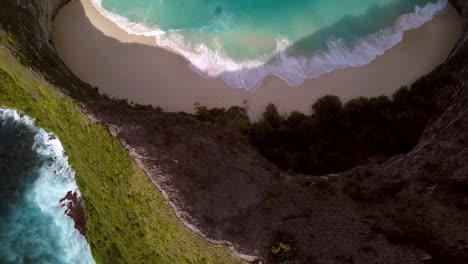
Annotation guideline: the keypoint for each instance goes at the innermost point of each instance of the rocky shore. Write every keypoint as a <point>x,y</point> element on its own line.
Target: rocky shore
<point>405,210</point>
<point>74,208</point>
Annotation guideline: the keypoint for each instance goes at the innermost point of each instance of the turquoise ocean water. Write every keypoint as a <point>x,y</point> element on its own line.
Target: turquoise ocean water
<point>244,41</point>
<point>34,177</point>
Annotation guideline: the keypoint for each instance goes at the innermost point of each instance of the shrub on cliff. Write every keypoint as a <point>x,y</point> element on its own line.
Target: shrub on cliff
<point>219,116</point>
<point>336,136</point>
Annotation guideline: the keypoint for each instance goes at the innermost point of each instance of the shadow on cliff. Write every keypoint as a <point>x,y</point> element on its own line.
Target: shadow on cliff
<point>232,194</point>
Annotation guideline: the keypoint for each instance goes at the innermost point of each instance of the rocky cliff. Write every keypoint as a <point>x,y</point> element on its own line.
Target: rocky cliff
<point>408,209</point>
<point>26,27</point>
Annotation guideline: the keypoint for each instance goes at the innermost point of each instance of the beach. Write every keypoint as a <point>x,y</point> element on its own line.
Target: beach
<point>132,67</point>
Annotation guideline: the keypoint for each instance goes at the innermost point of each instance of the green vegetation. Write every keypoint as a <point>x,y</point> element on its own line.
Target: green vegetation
<point>335,137</point>
<point>219,116</point>
<point>282,250</point>
<point>128,219</point>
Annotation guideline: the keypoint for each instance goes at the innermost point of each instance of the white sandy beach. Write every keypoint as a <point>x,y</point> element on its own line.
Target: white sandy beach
<point>133,67</point>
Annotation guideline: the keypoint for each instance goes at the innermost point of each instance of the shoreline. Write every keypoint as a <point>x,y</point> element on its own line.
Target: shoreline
<point>101,53</point>
<point>91,175</point>
<point>323,233</point>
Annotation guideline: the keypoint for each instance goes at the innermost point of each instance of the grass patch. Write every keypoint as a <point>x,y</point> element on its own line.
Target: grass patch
<point>282,250</point>
<point>128,219</point>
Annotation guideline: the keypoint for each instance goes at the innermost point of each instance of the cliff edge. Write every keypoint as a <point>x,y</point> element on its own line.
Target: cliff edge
<point>408,209</point>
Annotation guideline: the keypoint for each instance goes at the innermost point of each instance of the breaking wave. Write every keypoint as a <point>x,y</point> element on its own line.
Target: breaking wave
<point>35,177</point>
<point>249,74</point>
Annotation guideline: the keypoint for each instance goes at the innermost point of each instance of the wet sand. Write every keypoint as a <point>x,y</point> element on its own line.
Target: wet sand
<point>133,67</point>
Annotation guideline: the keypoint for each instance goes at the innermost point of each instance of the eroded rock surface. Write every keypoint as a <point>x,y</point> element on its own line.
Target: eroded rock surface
<point>409,209</point>
<point>74,208</point>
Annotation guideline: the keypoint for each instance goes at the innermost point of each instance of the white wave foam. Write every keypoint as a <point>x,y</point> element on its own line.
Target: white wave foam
<point>54,182</point>
<point>293,70</point>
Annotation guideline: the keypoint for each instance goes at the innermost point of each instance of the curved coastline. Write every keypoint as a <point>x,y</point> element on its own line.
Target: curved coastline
<point>41,210</point>
<point>107,178</point>
<point>104,55</point>
<point>250,74</point>
<point>438,134</point>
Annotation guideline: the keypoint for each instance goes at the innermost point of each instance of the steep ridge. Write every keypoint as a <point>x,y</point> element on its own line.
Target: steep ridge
<point>407,209</point>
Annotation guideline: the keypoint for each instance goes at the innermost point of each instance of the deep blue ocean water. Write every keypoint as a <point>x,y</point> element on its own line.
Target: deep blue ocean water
<point>34,176</point>
<point>244,41</point>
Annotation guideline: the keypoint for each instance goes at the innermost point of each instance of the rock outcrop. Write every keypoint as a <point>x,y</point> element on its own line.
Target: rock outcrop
<point>408,209</point>
<point>74,208</point>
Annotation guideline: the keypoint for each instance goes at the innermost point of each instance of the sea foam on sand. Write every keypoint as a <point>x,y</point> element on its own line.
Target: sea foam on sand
<point>293,70</point>
<point>133,67</point>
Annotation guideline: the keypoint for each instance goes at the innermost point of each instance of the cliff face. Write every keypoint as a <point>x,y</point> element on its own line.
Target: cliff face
<point>409,208</point>
<point>29,23</point>
<point>462,8</point>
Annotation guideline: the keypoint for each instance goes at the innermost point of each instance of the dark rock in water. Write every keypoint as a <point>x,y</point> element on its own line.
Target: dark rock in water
<point>218,10</point>
<point>52,136</point>
<point>75,210</point>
